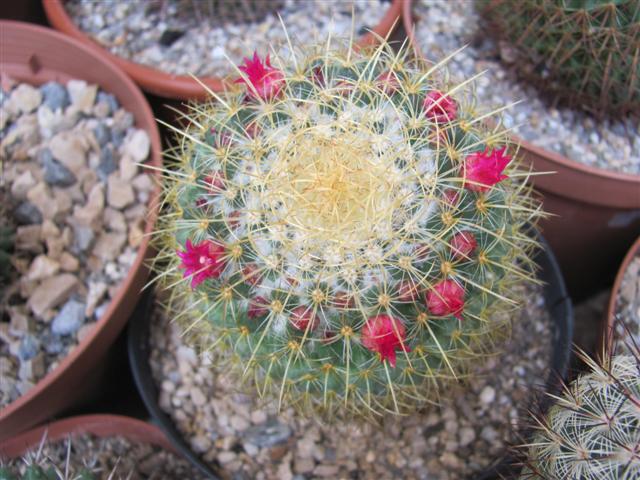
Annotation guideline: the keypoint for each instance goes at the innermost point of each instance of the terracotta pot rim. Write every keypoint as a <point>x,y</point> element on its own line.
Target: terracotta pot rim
<point>100,425</point>
<point>184,87</point>
<point>143,251</point>
<point>606,338</point>
<point>552,156</point>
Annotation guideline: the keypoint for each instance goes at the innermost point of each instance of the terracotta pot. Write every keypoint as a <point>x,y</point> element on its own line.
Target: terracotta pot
<point>607,331</point>
<point>596,212</point>
<point>182,87</point>
<point>36,55</point>
<point>102,426</point>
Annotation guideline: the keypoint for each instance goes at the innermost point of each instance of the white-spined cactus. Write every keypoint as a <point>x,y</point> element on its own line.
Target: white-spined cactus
<point>593,431</point>
<point>347,225</point>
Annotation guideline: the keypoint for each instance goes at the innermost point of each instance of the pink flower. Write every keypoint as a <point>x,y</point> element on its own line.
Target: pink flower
<point>463,245</point>
<point>483,170</point>
<point>388,82</point>
<point>439,108</point>
<point>266,80</point>
<point>202,261</point>
<point>258,307</point>
<point>446,298</point>
<point>407,291</point>
<point>302,317</point>
<point>384,334</point>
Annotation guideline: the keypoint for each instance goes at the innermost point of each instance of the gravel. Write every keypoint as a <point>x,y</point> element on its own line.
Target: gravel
<point>459,438</point>
<point>102,456</point>
<point>74,243</point>
<point>134,30</point>
<point>444,26</point>
<point>627,328</point>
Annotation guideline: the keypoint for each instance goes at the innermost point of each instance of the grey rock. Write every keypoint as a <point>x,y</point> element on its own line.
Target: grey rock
<point>83,238</point>
<point>107,164</point>
<point>29,347</point>
<point>102,134</point>
<point>53,344</point>
<point>27,214</point>
<point>109,99</point>
<point>55,95</point>
<point>269,434</point>
<point>55,173</point>
<point>69,319</point>
<point>117,136</point>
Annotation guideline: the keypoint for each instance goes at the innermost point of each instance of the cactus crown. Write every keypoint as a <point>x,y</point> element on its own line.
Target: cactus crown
<point>347,226</point>
<point>585,53</point>
<point>593,431</point>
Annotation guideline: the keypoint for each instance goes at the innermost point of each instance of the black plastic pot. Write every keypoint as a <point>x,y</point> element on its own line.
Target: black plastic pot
<point>556,298</point>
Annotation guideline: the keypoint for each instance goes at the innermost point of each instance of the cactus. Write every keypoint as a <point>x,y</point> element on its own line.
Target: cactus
<point>348,228</point>
<point>584,53</point>
<point>593,431</point>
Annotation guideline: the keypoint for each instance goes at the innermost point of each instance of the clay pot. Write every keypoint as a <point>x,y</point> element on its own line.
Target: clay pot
<point>596,212</point>
<point>606,334</point>
<point>36,55</point>
<point>99,425</point>
<point>182,87</point>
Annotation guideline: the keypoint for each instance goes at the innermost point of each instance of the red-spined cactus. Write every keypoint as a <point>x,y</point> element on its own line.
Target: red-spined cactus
<point>348,227</point>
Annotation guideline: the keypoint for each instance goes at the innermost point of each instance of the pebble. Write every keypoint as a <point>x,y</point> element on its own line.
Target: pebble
<point>445,26</point>
<point>72,249</point>
<point>138,33</point>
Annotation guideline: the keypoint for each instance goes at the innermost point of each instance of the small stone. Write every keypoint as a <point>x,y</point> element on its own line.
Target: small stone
<point>91,213</point>
<point>107,164</point>
<point>22,184</point>
<point>109,245</point>
<point>102,134</point>
<point>128,168</point>
<point>82,95</point>
<point>68,262</point>
<point>110,100</point>
<point>119,193</point>
<point>27,214</point>
<point>114,220</point>
<point>32,369</point>
<point>54,172</point>
<point>42,267</point>
<point>55,95</point>
<point>40,196</point>
<point>467,435</point>
<point>326,471</point>
<point>69,319</point>
<point>52,292</point>
<point>136,234</point>
<point>268,434</point>
<point>29,347</point>
<point>28,238</point>
<point>197,397</point>
<point>26,97</point>
<point>94,296</point>
<point>53,344</point>
<point>70,150</point>
<point>83,238</point>
<point>137,146</point>
<point>487,395</point>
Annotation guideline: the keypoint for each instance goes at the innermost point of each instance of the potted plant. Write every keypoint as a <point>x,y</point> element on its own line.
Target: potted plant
<point>92,446</point>
<point>622,326</point>
<point>345,236</point>
<point>76,261</point>
<point>594,193</point>
<point>223,25</point>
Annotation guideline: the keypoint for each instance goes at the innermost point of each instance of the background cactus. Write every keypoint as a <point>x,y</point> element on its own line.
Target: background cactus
<point>347,226</point>
<point>593,431</point>
<point>585,53</point>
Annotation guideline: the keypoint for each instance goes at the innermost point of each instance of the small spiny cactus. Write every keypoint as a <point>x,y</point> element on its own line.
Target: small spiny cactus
<point>585,53</point>
<point>347,226</point>
<point>593,431</point>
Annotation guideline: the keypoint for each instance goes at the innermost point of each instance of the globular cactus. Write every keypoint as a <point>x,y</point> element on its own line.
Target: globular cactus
<point>584,53</point>
<point>593,431</point>
<point>348,226</point>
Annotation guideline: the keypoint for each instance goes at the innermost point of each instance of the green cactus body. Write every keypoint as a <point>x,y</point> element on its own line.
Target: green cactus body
<point>593,431</point>
<point>334,233</point>
<point>585,53</point>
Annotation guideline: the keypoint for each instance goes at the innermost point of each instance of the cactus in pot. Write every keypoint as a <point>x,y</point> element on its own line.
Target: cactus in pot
<point>584,53</point>
<point>347,227</point>
<point>593,430</point>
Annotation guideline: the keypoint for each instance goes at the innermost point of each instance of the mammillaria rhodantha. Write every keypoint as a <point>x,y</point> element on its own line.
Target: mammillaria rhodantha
<point>367,228</point>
